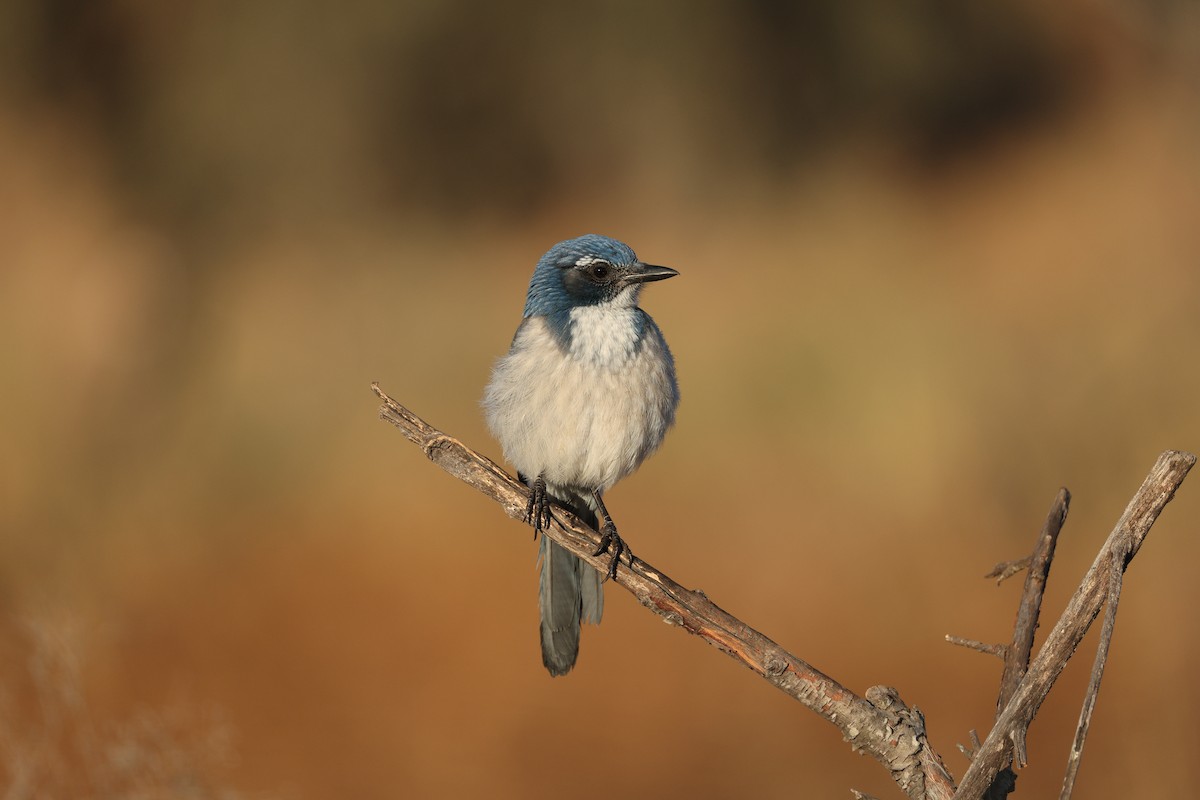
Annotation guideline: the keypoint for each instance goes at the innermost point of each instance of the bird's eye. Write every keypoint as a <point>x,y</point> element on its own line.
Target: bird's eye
<point>599,270</point>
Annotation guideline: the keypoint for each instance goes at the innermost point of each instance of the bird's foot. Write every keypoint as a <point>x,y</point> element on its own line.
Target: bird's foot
<point>537,511</point>
<point>610,540</point>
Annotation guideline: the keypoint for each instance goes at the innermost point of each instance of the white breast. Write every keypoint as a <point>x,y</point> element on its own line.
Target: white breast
<point>586,416</point>
<point>604,336</point>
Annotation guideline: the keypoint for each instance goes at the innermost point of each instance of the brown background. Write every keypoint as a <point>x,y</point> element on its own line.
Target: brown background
<point>935,263</point>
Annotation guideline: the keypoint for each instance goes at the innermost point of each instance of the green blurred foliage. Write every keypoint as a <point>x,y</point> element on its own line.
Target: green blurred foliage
<point>937,260</point>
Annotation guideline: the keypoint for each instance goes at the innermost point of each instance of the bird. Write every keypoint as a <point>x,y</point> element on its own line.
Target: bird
<point>586,392</point>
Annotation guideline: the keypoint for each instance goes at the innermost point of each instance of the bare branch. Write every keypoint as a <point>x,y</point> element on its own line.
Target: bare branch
<point>1116,574</point>
<point>997,650</point>
<point>1122,545</point>
<point>1006,569</point>
<point>1016,655</point>
<point>970,750</point>
<point>880,725</point>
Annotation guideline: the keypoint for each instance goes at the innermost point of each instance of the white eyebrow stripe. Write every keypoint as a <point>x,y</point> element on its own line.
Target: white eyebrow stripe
<point>587,261</point>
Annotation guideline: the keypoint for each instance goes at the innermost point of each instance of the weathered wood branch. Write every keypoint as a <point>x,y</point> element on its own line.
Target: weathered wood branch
<point>1016,660</point>
<point>1121,546</point>
<point>1116,577</point>
<point>879,725</point>
<point>1016,655</point>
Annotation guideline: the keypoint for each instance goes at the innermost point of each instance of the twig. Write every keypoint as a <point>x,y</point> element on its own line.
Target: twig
<point>1089,701</point>
<point>880,724</point>
<point>1006,569</point>
<point>970,750</point>
<point>1121,546</point>
<point>997,650</point>
<point>1016,657</point>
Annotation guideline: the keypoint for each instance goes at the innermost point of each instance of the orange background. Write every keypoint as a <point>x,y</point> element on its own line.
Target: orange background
<point>935,263</point>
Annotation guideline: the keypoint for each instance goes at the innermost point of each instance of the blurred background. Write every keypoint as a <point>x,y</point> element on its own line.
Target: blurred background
<point>938,259</point>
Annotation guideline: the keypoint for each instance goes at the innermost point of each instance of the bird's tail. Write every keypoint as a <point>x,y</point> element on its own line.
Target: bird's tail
<point>569,592</point>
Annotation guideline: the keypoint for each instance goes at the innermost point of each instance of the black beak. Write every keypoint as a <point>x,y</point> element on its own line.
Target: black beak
<point>644,273</point>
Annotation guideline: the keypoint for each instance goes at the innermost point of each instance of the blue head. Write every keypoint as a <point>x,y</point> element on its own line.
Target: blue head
<point>588,270</point>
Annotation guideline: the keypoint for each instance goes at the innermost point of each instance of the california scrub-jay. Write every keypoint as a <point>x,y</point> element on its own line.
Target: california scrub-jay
<point>586,392</point>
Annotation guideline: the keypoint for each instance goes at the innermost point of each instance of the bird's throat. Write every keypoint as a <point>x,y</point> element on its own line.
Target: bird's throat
<point>605,335</point>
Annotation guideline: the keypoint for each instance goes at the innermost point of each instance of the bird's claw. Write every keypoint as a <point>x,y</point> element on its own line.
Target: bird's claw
<point>537,511</point>
<point>609,539</point>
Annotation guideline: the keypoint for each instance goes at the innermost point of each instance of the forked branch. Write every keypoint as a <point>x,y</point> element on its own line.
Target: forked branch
<point>1121,546</point>
<point>880,724</point>
<point>1016,654</point>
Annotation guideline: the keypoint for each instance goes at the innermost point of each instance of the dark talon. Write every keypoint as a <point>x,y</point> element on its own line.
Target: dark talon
<point>610,539</point>
<point>537,511</point>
